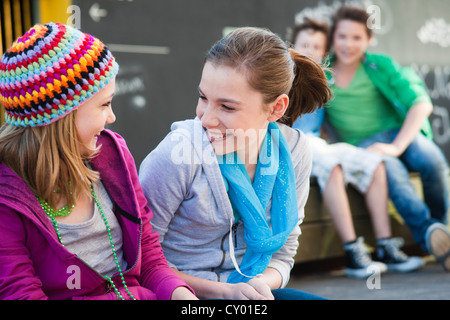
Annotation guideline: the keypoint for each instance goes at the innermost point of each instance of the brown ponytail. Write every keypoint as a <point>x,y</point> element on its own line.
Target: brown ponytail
<point>309,90</point>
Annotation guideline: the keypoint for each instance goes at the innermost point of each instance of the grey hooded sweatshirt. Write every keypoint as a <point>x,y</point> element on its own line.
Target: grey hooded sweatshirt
<point>183,183</point>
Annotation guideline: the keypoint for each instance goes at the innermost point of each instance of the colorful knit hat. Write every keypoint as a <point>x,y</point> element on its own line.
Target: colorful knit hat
<point>50,71</point>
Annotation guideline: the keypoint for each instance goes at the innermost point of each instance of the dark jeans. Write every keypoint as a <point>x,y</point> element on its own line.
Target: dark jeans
<point>426,158</point>
<point>293,294</point>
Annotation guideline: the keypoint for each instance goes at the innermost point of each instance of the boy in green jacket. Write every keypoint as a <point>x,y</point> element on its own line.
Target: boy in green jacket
<point>383,107</point>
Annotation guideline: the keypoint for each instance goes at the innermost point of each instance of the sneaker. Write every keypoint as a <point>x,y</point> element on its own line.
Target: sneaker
<point>388,251</point>
<point>437,239</point>
<point>359,264</point>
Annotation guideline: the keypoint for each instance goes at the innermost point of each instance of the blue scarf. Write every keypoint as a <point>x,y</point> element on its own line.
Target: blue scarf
<point>274,179</point>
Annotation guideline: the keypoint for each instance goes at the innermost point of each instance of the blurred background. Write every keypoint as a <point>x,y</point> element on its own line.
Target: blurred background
<point>160,46</point>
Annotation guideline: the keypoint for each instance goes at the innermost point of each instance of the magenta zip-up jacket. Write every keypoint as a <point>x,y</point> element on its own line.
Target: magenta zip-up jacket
<point>34,265</point>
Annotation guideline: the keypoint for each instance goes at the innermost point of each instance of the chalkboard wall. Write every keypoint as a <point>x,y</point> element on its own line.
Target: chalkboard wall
<point>160,45</point>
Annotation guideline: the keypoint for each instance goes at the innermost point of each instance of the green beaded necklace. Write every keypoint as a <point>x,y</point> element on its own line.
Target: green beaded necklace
<point>63,212</point>
<point>51,214</point>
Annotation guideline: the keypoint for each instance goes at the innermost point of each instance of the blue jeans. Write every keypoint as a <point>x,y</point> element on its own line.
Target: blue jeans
<point>426,158</point>
<point>293,294</point>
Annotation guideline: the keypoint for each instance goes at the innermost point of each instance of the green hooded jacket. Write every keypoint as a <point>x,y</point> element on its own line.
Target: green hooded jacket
<point>401,86</point>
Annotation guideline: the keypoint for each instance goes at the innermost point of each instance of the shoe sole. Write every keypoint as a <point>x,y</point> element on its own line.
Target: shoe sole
<point>439,246</point>
<point>412,264</point>
<point>375,267</point>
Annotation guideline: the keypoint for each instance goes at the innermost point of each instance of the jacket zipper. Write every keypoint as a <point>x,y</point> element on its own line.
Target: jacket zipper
<point>136,260</point>
<point>234,228</point>
<point>222,246</point>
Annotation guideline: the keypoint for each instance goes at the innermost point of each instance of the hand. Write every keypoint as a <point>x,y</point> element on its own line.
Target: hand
<point>388,149</point>
<point>262,287</point>
<point>247,291</point>
<point>182,293</point>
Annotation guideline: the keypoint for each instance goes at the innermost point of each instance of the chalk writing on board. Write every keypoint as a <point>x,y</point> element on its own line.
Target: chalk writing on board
<point>324,11</point>
<point>435,30</point>
<point>381,18</point>
<point>437,80</point>
<point>131,82</point>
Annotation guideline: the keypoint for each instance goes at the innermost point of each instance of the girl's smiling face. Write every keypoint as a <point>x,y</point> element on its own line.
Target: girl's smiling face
<point>233,114</point>
<point>93,115</point>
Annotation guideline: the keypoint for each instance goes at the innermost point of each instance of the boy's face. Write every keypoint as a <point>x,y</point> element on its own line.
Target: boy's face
<point>311,43</point>
<point>350,41</point>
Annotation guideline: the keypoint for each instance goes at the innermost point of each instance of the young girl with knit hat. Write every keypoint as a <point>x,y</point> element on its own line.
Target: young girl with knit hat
<point>236,178</point>
<point>74,223</point>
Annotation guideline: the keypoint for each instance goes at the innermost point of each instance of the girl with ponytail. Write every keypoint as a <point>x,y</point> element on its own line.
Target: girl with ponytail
<point>236,178</point>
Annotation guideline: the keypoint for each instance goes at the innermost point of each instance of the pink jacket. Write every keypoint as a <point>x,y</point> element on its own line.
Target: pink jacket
<point>34,265</point>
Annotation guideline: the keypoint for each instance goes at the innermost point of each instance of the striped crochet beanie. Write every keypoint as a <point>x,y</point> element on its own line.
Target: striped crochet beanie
<point>50,71</point>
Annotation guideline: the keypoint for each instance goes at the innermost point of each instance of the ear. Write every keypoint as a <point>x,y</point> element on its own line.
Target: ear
<point>278,107</point>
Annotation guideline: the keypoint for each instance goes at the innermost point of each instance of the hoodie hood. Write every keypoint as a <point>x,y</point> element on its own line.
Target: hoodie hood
<point>18,196</point>
<point>196,149</point>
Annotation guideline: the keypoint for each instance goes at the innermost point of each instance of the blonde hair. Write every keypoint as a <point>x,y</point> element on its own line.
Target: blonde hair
<point>47,158</point>
<point>272,68</point>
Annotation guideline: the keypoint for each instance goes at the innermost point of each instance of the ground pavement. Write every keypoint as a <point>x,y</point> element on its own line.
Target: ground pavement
<point>430,282</point>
